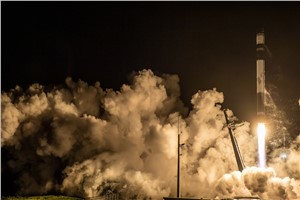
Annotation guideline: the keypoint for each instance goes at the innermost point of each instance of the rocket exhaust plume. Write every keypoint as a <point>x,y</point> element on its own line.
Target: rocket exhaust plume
<point>261,136</point>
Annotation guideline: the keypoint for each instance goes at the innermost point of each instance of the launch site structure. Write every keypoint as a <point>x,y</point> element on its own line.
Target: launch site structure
<point>260,91</point>
<point>236,150</point>
<point>235,146</point>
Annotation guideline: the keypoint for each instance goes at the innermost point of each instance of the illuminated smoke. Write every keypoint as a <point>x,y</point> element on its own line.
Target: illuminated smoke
<point>83,140</point>
<point>261,182</point>
<point>261,135</point>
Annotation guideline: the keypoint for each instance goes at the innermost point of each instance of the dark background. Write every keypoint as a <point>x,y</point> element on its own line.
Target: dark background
<point>208,44</point>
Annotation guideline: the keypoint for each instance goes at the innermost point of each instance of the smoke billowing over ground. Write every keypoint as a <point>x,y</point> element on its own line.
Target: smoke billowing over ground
<point>83,140</point>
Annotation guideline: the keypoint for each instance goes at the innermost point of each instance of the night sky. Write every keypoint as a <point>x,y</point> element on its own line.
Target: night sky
<point>208,44</point>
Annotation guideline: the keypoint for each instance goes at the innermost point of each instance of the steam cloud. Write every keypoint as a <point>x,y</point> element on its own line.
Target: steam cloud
<point>86,141</point>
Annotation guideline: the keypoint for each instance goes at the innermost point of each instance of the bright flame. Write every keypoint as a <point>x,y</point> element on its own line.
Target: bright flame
<point>261,135</point>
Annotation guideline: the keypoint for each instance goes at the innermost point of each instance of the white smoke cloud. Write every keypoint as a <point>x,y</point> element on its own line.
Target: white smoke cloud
<point>10,119</point>
<point>86,141</point>
<point>261,182</point>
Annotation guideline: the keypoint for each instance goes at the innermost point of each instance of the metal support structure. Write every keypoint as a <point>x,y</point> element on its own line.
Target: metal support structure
<point>235,146</point>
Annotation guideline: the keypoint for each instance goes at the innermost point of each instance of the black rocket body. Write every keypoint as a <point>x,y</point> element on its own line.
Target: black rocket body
<point>260,73</point>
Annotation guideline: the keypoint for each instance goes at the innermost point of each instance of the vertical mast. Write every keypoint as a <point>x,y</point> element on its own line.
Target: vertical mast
<point>178,162</point>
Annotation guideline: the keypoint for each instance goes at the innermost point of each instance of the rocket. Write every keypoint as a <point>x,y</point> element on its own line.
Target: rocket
<point>260,92</point>
<point>260,73</point>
